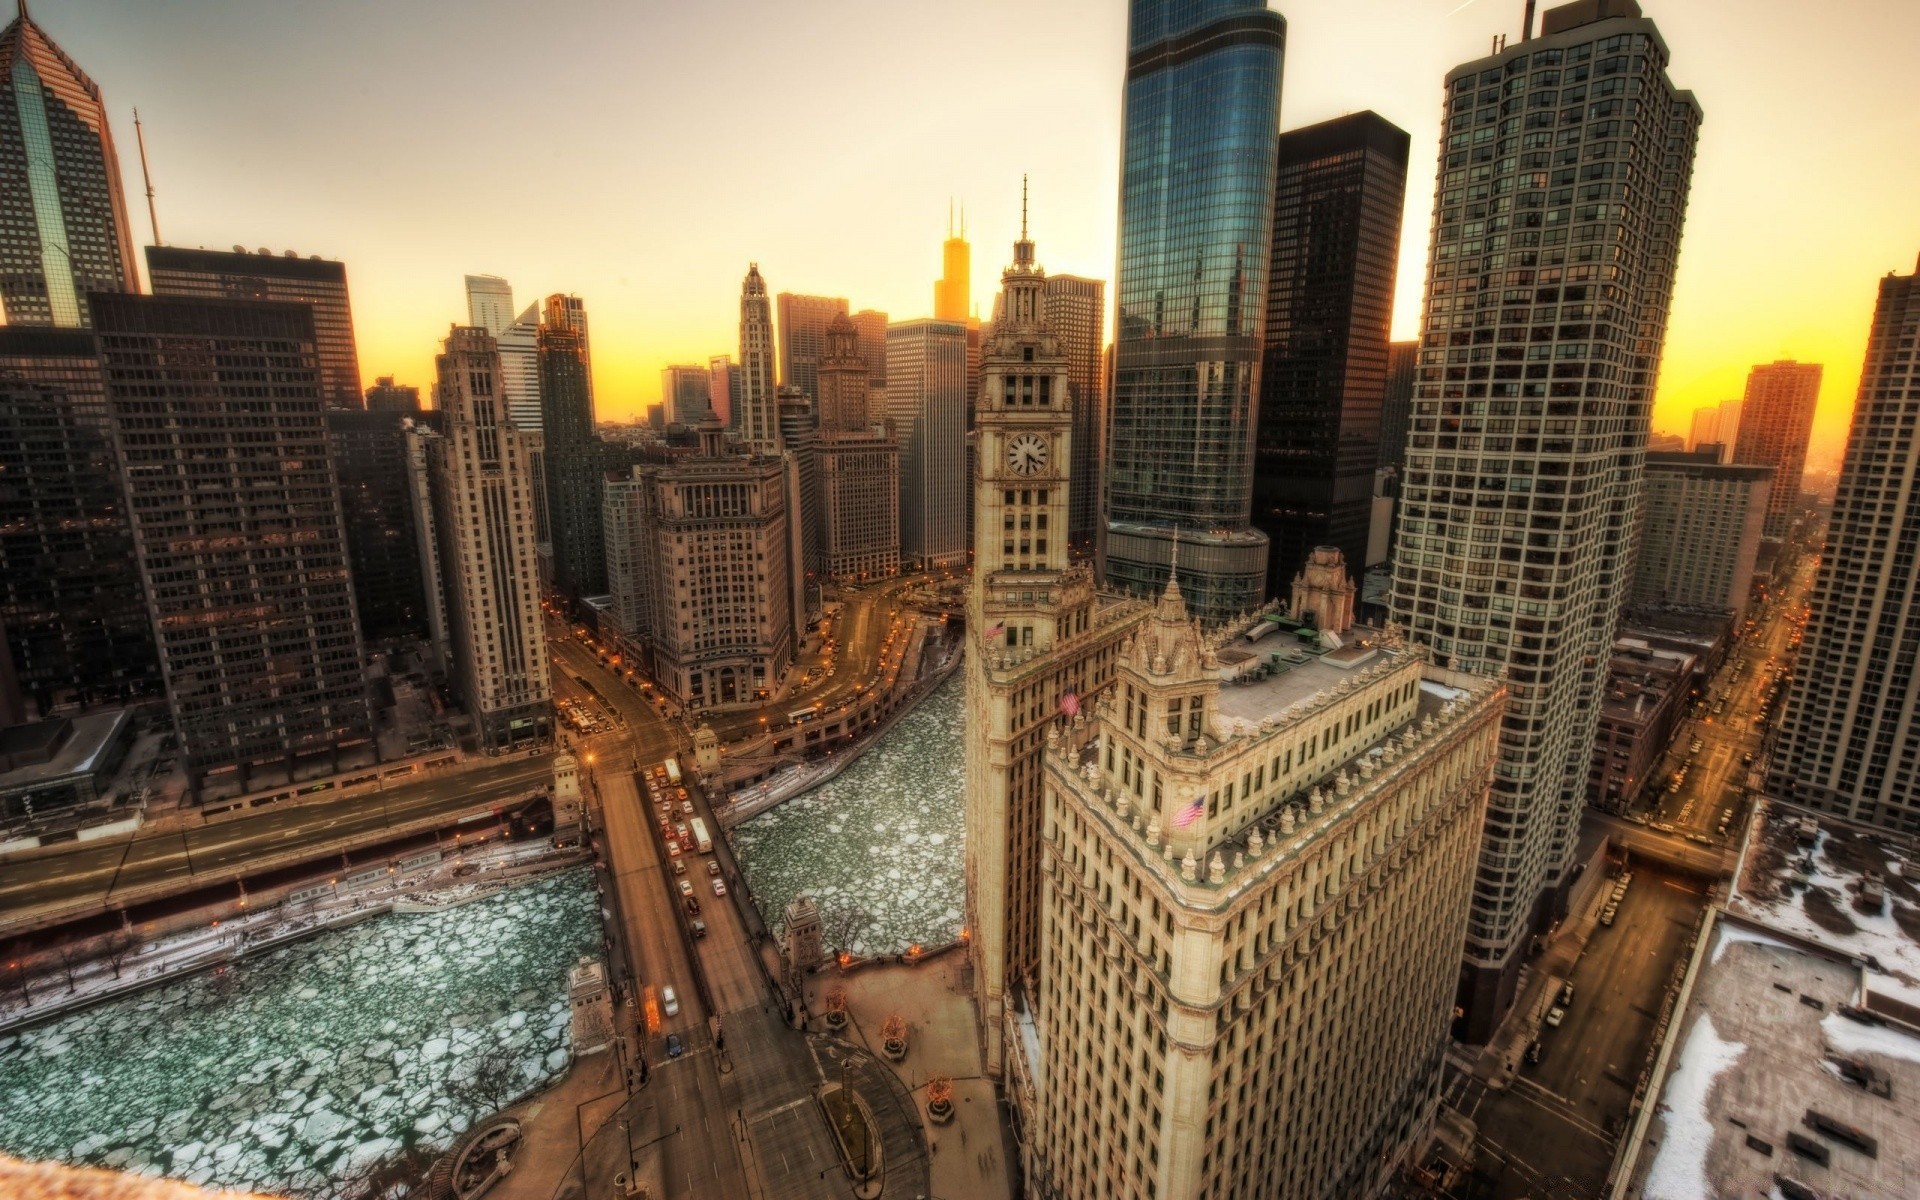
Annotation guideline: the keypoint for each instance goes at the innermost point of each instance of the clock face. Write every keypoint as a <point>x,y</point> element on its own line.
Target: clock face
<point>1027,453</point>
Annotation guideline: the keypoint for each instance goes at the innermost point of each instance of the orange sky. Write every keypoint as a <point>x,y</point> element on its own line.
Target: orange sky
<point>642,152</point>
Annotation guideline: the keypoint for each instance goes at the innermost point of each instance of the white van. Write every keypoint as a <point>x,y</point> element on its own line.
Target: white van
<point>669,1003</point>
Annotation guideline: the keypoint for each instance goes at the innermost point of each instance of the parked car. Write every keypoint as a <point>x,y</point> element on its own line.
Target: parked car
<point>1606,917</point>
<point>1566,993</point>
<point>1555,1015</point>
<point>1535,1052</point>
<point>669,1003</point>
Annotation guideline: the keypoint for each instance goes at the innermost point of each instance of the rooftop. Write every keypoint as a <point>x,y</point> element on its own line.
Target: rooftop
<point>1298,674</point>
<point>93,734</point>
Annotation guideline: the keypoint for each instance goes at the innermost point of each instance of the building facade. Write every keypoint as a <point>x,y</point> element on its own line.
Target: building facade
<point>63,215</point>
<point>927,404</point>
<point>857,463</point>
<point>1700,531</point>
<point>519,346</point>
<point>1201,131</point>
<point>71,603</point>
<point>871,325</point>
<point>1323,374</point>
<point>1077,315</point>
<point>1522,490</point>
<point>758,417</point>
<point>483,577</point>
<point>687,392</point>
<point>217,408</point>
<point>803,338</point>
<point>723,393</point>
<point>1396,409</point>
<point>387,396</point>
<point>573,463</point>
<point>489,303</point>
<point>1776,421</point>
<point>1647,688</point>
<point>237,275</point>
<point>1849,744</point>
<point>376,504</point>
<point>1716,426</point>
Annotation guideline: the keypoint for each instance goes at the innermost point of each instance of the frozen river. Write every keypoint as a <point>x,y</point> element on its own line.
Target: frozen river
<point>879,848</point>
<point>292,1070</point>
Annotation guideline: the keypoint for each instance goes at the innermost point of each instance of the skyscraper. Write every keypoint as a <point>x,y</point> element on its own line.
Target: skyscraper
<point>927,400</point>
<point>953,291</point>
<point>573,463</point>
<point>857,464</point>
<point>1077,315</point>
<point>63,217</point>
<point>569,312</point>
<point>1719,425</point>
<point>376,508</point>
<point>723,393</point>
<point>1776,420</point>
<point>518,343</point>
<point>489,303</point>
<point>71,603</point>
<point>1545,316</point>
<point>1201,128</point>
<point>1850,742</point>
<point>387,396</point>
<point>1396,409</point>
<point>871,325</point>
<point>1700,531</point>
<point>1323,380</point>
<point>758,417</point>
<point>238,534</point>
<point>687,391</point>
<point>803,337</point>
<point>484,583</point>
<point>238,275</point>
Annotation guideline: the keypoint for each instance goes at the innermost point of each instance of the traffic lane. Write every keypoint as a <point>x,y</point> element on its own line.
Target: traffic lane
<point>648,910</point>
<point>698,1157</point>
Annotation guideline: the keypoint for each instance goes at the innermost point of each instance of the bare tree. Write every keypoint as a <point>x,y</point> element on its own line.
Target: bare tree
<point>844,926</point>
<point>17,976</point>
<point>393,1177</point>
<point>66,965</point>
<point>490,1081</point>
<point>117,949</point>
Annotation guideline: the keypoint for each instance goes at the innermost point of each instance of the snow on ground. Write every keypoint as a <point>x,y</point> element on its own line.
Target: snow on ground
<point>884,838</point>
<point>1726,933</point>
<point>1851,1038</point>
<point>1679,1171</point>
<point>288,1070</point>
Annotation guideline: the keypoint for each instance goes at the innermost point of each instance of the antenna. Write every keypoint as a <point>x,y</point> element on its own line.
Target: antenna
<point>949,218</point>
<point>1023,208</point>
<point>139,135</point>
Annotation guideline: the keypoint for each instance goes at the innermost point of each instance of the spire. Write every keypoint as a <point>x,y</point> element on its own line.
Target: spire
<point>1023,249</point>
<point>1023,178</point>
<point>1173,570</point>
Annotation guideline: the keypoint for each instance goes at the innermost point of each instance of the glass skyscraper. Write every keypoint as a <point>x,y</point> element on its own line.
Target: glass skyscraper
<point>1202,125</point>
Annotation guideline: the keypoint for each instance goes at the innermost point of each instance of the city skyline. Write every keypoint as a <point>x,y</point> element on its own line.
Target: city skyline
<point>662,278</point>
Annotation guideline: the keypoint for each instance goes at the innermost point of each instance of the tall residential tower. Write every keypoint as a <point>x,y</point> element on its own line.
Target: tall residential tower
<point>1775,424</point>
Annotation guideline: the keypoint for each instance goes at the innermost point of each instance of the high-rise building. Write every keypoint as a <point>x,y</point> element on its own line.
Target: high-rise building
<point>63,216</point>
<point>1776,420</point>
<point>483,580</point>
<point>687,391</point>
<point>1323,379</point>
<point>1396,409</point>
<point>568,312</point>
<point>71,604</point>
<point>706,545</point>
<point>1700,531</point>
<point>1850,742</point>
<point>806,551</point>
<point>1718,425</point>
<point>1040,641</point>
<point>871,325</point>
<point>843,391</point>
<point>387,396</point>
<point>758,417</point>
<point>376,506</point>
<point>489,303</point>
<point>1254,899</point>
<point>953,291</point>
<point>858,466</point>
<point>1077,316</point>
<point>723,393</point>
<point>1545,317</point>
<point>803,337</point>
<point>927,402</point>
<point>1202,125</point>
<point>237,275</point>
<point>238,534</point>
<point>519,346</point>
<point>573,463</point>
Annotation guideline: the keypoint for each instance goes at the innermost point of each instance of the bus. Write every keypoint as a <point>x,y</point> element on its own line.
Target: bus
<point>673,771</point>
<point>700,837</point>
<point>801,716</point>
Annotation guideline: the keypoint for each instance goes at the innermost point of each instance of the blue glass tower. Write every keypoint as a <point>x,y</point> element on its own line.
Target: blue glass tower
<point>1202,122</point>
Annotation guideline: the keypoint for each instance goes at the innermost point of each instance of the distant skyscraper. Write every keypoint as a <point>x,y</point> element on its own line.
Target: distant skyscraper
<point>1850,741</point>
<point>1202,124</point>
<point>953,291</point>
<point>687,392</point>
<point>806,552</point>
<point>573,462</point>
<point>376,506</point>
<point>1396,409</point>
<point>1776,420</point>
<point>803,337</point>
<point>238,534</point>
<point>519,347</point>
<point>842,379</point>
<point>1077,315</point>
<point>387,396</point>
<point>723,394</point>
<point>858,466</point>
<point>871,325</point>
<point>240,276</point>
<point>1323,381</point>
<point>489,303</point>
<point>1700,531</point>
<point>1718,425</point>
<point>1543,389</point>
<point>568,312</point>
<point>73,611</point>
<point>927,399</point>
<point>63,217</point>
<point>484,581</point>
<point>758,417</point>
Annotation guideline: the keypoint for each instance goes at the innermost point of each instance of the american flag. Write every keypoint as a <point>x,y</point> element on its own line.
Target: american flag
<point>1070,704</point>
<point>1190,813</point>
<point>996,631</point>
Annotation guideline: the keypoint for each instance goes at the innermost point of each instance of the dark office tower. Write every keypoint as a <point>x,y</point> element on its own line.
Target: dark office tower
<point>1850,743</point>
<point>376,502</point>
<point>1077,315</point>
<point>63,218</point>
<point>1202,124</point>
<point>237,275</point>
<point>219,416</point>
<point>1336,241</point>
<point>803,337</point>
<point>1564,173</point>
<point>574,464</point>
<point>70,599</point>
<point>387,396</point>
<point>1776,421</point>
<point>1396,409</point>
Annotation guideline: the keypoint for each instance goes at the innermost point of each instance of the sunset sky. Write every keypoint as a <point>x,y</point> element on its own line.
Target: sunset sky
<point>641,153</point>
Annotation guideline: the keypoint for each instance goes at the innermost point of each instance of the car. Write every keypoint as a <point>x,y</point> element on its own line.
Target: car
<point>719,887</point>
<point>669,1003</point>
<point>1535,1052</point>
<point>686,806</point>
<point>1566,993</point>
<point>692,906</point>
<point>686,887</point>
<point>1700,839</point>
<point>699,929</point>
<point>1555,1015</point>
<point>1606,917</point>
<point>673,848</point>
<point>713,868</point>
<point>679,865</point>
<point>680,828</point>
<point>674,1049</point>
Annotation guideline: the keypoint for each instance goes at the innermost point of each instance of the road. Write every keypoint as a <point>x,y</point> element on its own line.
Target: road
<point>88,875</point>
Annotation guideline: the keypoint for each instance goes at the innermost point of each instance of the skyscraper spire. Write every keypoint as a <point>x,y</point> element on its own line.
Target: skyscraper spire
<point>1023,249</point>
